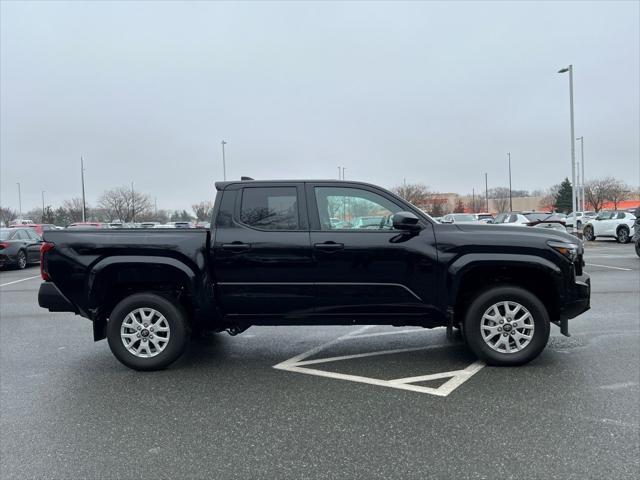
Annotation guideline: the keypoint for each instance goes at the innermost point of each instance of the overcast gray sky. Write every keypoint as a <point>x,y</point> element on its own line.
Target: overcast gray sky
<point>432,92</point>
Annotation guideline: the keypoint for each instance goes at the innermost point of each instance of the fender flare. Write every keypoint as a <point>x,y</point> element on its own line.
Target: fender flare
<point>464,264</point>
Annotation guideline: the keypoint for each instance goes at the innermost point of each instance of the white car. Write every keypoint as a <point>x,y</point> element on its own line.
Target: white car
<point>583,217</point>
<point>530,219</point>
<point>610,223</point>
<point>459,218</point>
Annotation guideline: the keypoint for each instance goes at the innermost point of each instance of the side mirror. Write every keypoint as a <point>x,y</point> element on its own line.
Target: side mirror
<point>406,221</point>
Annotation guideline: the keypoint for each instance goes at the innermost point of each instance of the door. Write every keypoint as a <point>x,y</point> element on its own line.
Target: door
<point>363,266</point>
<point>261,252</point>
<point>603,224</point>
<point>33,248</point>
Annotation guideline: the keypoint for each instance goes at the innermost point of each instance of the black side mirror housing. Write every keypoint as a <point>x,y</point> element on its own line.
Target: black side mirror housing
<point>406,221</point>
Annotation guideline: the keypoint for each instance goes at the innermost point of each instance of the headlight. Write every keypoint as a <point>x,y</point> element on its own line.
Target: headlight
<point>568,250</point>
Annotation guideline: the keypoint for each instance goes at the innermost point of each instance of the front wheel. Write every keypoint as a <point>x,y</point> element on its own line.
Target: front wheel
<point>507,326</point>
<point>622,235</point>
<point>638,247</point>
<point>588,233</point>
<point>147,332</point>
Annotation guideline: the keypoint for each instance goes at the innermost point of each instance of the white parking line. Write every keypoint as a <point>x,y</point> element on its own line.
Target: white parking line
<point>298,364</point>
<point>607,266</point>
<point>18,281</point>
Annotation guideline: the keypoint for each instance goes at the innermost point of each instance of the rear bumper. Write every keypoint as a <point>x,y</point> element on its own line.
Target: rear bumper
<point>49,297</point>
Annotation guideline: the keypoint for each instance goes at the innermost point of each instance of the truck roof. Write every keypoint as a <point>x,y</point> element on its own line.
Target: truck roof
<point>225,184</point>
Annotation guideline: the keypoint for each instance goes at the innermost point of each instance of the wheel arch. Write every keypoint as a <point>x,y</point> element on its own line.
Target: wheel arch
<point>114,278</point>
<point>474,276</point>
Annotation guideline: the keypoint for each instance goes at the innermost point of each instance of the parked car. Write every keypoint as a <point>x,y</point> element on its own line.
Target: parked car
<point>149,224</point>
<point>531,219</point>
<point>274,258</point>
<point>484,217</point>
<point>636,234</point>
<point>459,218</point>
<point>610,223</point>
<point>367,222</point>
<point>87,225</point>
<point>18,247</point>
<point>37,227</point>
<point>583,218</point>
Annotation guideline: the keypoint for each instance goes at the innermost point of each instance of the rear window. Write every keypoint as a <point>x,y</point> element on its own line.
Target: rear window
<point>535,217</point>
<point>5,234</point>
<point>270,208</point>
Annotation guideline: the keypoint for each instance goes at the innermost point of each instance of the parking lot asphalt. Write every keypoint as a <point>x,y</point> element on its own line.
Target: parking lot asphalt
<point>69,410</point>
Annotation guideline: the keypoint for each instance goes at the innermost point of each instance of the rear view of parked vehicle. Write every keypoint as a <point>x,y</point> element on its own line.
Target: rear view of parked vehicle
<point>18,247</point>
<point>610,224</point>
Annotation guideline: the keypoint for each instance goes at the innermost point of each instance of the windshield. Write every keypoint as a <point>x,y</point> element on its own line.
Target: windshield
<point>501,218</point>
<point>536,217</point>
<point>464,218</point>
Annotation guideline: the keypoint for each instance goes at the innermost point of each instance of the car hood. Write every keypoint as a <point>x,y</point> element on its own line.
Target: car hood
<point>517,231</point>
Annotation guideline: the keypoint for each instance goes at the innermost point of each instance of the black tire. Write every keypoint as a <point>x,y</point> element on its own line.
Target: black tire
<point>21,260</point>
<point>473,318</point>
<point>638,247</point>
<point>622,235</point>
<point>587,233</point>
<point>178,328</point>
<point>578,224</point>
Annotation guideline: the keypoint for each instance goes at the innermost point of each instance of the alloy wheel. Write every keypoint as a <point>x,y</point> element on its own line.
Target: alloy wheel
<point>507,327</point>
<point>145,332</point>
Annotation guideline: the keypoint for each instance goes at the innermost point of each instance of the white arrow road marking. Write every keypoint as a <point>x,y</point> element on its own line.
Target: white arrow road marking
<point>298,364</point>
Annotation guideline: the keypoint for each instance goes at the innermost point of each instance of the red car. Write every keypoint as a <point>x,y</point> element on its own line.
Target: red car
<point>38,227</point>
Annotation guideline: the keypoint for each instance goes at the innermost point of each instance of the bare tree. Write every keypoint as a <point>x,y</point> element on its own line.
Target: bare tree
<point>73,209</point>
<point>124,204</point>
<point>202,210</point>
<point>500,197</point>
<point>618,192</point>
<point>459,208</point>
<point>548,201</point>
<point>597,192</point>
<point>6,215</point>
<point>414,193</point>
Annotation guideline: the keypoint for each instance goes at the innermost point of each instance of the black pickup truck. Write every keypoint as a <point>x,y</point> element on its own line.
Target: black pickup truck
<point>315,252</point>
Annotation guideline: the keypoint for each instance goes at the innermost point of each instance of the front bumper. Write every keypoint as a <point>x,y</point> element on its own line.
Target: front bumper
<point>578,301</point>
<point>52,299</point>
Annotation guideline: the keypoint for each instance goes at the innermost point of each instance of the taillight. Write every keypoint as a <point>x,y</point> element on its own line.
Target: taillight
<point>44,248</point>
<point>3,245</point>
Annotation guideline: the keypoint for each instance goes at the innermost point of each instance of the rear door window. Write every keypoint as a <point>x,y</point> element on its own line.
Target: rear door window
<point>270,208</point>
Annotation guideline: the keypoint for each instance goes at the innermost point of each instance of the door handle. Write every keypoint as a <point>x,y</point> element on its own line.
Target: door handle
<point>329,246</point>
<point>236,246</point>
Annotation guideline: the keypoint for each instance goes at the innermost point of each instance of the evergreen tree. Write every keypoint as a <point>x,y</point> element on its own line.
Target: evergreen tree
<point>563,201</point>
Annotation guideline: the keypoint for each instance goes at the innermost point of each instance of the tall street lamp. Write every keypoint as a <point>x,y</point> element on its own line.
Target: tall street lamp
<point>84,202</point>
<point>581,192</point>
<point>573,143</point>
<point>224,163</point>
<point>510,196</point>
<point>42,206</point>
<point>486,190</point>
<point>19,201</point>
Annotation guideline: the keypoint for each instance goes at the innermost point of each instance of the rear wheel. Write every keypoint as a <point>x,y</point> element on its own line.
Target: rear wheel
<point>147,332</point>
<point>638,247</point>
<point>578,224</point>
<point>507,326</point>
<point>622,235</point>
<point>588,233</point>
<point>21,260</point>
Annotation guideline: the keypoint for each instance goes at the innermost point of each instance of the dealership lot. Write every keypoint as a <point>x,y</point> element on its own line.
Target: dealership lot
<point>70,410</point>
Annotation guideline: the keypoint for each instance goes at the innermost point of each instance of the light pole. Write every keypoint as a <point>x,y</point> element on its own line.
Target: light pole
<point>84,203</point>
<point>42,206</point>
<point>339,172</point>
<point>19,201</point>
<point>343,169</point>
<point>133,204</point>
<point>224,163</point>
<point>581,191</point>
<point>573,143</point>
<point>486,191</point>
<point>510,199</point>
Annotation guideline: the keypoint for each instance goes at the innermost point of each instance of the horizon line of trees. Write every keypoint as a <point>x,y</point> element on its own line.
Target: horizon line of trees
<point>125,205</point>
